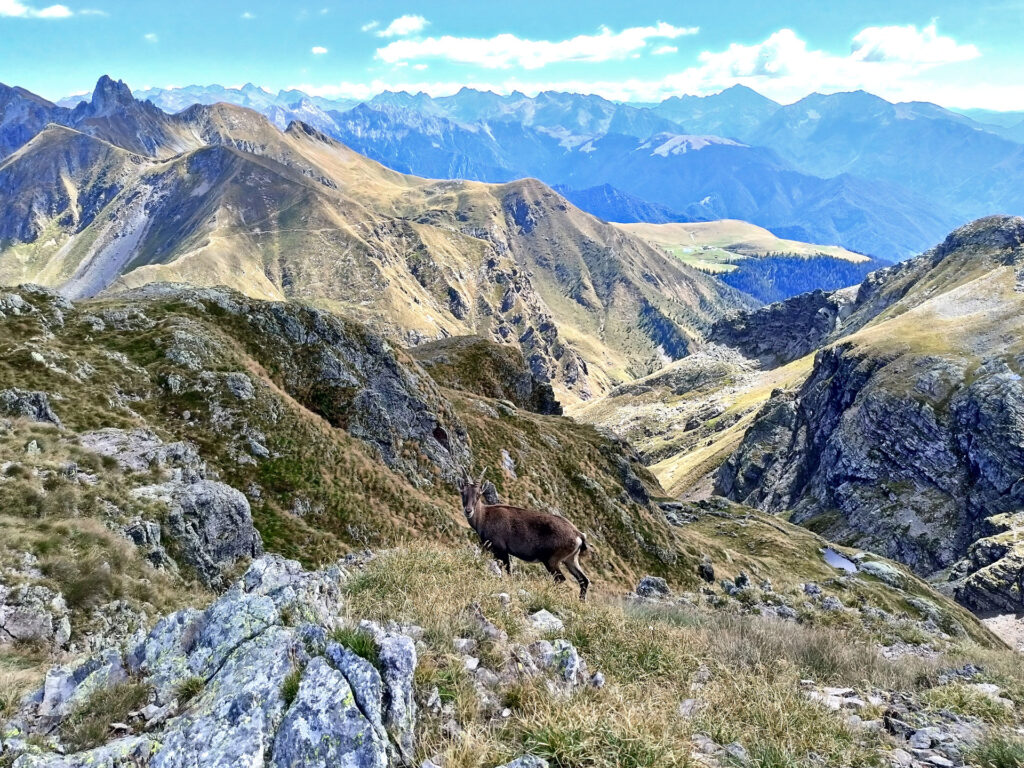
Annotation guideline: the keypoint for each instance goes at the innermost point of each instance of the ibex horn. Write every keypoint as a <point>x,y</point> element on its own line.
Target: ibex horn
<point>480,481</point>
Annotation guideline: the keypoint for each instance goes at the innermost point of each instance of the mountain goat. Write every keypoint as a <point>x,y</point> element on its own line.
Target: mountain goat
<point>528,534</point>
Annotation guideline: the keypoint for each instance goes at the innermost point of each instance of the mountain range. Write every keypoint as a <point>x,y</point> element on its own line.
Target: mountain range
<point>846,169</point>
<point>115,193</point>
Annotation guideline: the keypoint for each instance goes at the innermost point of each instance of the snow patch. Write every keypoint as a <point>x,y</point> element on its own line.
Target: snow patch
<point>681,144</point>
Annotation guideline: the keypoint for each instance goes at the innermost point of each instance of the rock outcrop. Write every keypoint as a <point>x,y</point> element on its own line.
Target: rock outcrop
<point>34,406</point>
<point>268,686</point>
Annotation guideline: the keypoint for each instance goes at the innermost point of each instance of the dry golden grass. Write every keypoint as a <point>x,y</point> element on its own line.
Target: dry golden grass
<point>650,656</point>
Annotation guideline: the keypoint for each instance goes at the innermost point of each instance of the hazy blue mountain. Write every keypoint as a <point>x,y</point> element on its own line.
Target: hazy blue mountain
<point>704,178</point>
<point>176,99</point>
<point>735,112</point>
<point>942,157</point>
<point>611,204</point>
<point>572,117</point>
<point>424,145</point>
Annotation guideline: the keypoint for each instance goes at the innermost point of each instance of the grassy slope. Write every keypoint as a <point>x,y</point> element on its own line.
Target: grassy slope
<point>712,245</point>
<point>744,669</point>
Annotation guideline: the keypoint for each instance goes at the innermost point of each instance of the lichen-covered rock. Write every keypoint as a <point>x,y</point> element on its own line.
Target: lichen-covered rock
<point>241,651</point>
<point>34,406</point>
<point>324,727</point>
<point>33,613</point>
<point>233,721</point>
<point>367,686</point>
<point>397,655</point>
<point>129,752</point>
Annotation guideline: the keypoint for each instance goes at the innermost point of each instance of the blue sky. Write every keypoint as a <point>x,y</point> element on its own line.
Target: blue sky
<point>954,53</point>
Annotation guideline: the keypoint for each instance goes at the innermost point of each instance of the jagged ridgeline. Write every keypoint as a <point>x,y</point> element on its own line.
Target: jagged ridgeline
<point>117,193</point>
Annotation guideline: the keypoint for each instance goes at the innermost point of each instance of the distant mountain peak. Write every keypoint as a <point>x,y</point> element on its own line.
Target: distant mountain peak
<point>109,95</point>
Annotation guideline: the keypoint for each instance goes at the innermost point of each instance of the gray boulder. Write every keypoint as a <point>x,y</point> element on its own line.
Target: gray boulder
<point>34,406</point>
<point>33,613</point>
<point>653,587</point>
<point>211,524</point>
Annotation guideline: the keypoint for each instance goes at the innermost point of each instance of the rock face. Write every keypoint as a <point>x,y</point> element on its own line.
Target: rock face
<point>268,628</point>
<point>33,613</point>
<point>786,330</point>
<point>208,522</point>
<point>338,369</point>
<point>494,370</point>
<point>907,438</point>
<point>34,406</point>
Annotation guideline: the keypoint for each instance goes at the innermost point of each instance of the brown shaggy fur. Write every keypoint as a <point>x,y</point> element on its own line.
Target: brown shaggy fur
<point>532,536</point>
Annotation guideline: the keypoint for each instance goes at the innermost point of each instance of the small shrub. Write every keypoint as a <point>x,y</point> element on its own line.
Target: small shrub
<point>359,642</point>
<point>89,724</point>
<point>290,686</point>
<point>188,689</point>
<point>997,750</point>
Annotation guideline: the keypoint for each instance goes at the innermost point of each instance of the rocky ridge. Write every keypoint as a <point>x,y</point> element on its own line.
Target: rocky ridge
<point>905,438</point>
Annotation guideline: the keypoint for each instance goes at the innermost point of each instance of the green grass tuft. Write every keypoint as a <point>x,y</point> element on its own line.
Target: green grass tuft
<point>359,642</point>
<point>89,724</point>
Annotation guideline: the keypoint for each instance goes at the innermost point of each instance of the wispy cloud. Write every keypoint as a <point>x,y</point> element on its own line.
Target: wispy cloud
<point>404,25</point>
<point>369,25</point>
<point>907,44</point>
<point>16,9</point>
<point>318,50</point>
<point>661,50</point>
<point>507,50</point>
<point>151,37</point>
<point>247,15</point>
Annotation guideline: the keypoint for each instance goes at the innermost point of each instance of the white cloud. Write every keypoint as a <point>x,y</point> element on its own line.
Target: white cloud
<point>661,50</point>
<point>248,15</point>
<point>93,12</point>
<point>908,44</point>
<point>150,37</point>
<point>318,50</point>
<point>369,25</point>
<point>507,50</point>
<point>404,25</point>
<point>419,67</point>
<point>21,10</point>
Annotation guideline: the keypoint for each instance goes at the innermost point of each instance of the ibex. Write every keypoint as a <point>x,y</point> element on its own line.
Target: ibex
<point>530,535</point>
